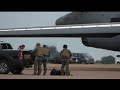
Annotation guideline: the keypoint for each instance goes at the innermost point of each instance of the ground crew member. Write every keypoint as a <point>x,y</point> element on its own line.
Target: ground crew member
<point>65,55</point>
<point>20,56</point>
<point>20,53</point>
<point>46,54</point>
<point>38,59</point>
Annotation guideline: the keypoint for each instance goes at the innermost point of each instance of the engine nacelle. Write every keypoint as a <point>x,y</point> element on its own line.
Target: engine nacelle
<point>103,43</point>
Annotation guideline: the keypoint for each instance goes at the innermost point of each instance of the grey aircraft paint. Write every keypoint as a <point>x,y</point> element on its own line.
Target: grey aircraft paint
<point>111,43</point>
<point>88,17</point>
<point>108,36</point>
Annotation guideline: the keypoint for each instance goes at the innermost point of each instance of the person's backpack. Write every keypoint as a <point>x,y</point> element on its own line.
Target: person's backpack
<point>46,51</point>
<point>65,53</point>
<point>55,72</point>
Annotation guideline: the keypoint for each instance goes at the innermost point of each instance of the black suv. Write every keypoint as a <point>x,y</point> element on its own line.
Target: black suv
<point>82,58</point>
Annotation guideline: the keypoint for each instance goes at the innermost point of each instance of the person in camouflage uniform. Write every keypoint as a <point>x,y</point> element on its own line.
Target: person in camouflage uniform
<point>65,55</point>
<point>38,59</point>
<point>46,54</point>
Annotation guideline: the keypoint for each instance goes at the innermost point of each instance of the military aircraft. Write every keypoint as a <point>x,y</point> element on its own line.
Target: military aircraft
<point>96,29</point>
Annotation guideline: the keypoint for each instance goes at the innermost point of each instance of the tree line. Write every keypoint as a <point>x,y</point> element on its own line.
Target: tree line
<point>106,60</point>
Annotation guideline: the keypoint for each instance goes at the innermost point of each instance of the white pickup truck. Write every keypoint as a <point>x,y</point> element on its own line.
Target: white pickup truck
<point>117,59</point>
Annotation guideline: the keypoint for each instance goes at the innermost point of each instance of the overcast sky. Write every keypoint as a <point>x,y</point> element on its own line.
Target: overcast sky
<point>32,19</point>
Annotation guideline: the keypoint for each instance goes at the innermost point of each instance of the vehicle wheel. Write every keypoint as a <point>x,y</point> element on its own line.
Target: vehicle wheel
<point>16,71</point>
<point>118,62</point>
<point>82,62</point>
<point>4,67</point>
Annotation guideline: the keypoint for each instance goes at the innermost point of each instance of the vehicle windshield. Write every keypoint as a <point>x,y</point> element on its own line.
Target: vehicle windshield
<point>118,55</point>
<point>86,55</point>
<point>82,55</point>
<point>6,46</point>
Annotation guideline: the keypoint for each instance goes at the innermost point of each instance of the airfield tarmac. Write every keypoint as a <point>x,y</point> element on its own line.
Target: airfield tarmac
<point>79,71</point>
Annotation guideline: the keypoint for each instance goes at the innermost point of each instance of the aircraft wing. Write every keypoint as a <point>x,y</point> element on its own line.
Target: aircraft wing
<point>75,30</point>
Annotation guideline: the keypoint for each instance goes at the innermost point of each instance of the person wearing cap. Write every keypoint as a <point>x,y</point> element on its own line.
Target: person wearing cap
<point>38,58</point>
<point>20,54</point>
